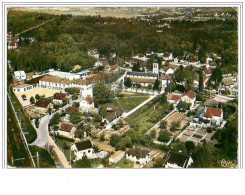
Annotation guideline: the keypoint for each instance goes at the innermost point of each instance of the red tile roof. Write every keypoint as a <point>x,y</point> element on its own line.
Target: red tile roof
<point>105,63</point>
<point>193,60</point>
<point>208,71</point>
<point>59,96</point>
<point>212,112</point>
<point>113,67</point>
<point>173,97</point>
<point>89,99</point>
<point>42,103</point>
<point>166,54</point>
<point>140,55</point>
<point>70,110</point>
<point>213,64</point>
<point>191,94</point>
<point>66,127</point>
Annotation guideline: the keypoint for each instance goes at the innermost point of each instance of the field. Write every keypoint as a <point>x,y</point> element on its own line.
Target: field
<point>44,157</point>
<point>15,143</point>
<point>128,102</point>
<point>32,93</point>
<point>124,163</point>
<point>140,118</point>
<point>26,124</point>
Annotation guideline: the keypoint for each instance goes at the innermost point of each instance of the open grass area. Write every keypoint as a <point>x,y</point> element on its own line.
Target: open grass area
<point>128,103</point>
<point>123,163</point>
<point>132,94</point>
<point>15,142</point>
<point>140,118</point>
<point>31,134</point>
<point>44,157</point>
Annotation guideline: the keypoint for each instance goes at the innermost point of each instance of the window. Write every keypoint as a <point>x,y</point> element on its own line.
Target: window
<point>88,151</point>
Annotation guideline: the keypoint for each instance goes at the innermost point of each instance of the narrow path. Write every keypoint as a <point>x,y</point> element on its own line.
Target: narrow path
<point>61,157</point>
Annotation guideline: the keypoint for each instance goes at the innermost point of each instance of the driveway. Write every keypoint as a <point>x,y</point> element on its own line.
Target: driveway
<point>42,133</point>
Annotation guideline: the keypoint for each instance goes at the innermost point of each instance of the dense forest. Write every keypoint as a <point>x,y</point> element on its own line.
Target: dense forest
<point>63,42</point>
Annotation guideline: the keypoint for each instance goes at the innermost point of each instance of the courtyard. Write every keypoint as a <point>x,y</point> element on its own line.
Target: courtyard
<point>31,93</point>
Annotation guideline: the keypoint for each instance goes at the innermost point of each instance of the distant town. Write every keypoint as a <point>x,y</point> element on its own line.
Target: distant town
<point>78,98</point>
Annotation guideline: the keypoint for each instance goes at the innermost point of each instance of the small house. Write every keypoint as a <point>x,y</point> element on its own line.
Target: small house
<point>83,148</point>
<point>138,155</point>
<point>177,160</point>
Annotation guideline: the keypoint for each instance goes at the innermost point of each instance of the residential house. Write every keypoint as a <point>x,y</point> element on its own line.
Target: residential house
<point>141,57</point>
<point>142,78</point>
<point>83,148</point>
<point>214,115</point>
<point>138,155</point>
<point>43,106</point>
<point>67,130</point>
<point>116,157</point>
<point>59,97</point>
<point>20,75</point>
<point>166,79</point>
<point>177,160</point>
<point>149,53</point>
<point>212,65</point>
<point>189,97</point>
<point>167,56</point>
<point>112,114</point>
<point>167,70</point>
<point>193,61</point>
<point>114,68</point>
<point>94,53</point>
<point>13,45</point>
<point>71,109</point>
<point>131,61</point>
<point>87,104</point>
<point>178,60</point>
<point>173,99</point>
<point>208,72</point>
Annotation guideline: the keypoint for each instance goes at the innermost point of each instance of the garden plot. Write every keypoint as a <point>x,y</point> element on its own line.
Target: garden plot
<point>177,117</point>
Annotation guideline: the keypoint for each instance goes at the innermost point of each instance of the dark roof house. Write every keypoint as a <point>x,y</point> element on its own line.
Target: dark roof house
<point>83,145</point>
<point>42,103</point>
<point>176,158</point>
<point>138,152</point>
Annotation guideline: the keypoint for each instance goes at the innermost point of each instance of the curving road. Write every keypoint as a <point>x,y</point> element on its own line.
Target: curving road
<point>42,133</point>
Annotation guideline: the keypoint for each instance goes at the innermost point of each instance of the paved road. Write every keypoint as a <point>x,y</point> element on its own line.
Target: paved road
<point>42,133</point>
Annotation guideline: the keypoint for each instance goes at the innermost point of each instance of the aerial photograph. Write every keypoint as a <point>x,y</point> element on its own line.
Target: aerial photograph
<point>122,87</point>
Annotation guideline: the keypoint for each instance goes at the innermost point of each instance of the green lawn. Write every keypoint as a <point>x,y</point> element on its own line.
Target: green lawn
<point>15,142</point>
<point>27,126</point>
<point>132,94</point>
<point>140,118</point>
<point>128,103</point>
<point>123,163</point>
<point>44,157</point>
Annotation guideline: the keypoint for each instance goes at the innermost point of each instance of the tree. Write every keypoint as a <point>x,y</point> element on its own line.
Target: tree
<point>163,124</point>
<point>174,125</point>
<point>37,97</point>
<point>101,92</point>
<point>103,111</point>
<point>128,82</point>
<point>216,76</point>
<point>102,137</point>
<point>83,163</point>
<point>97,118</point>
<point>158,163</point>
<point>76,104</point>
<point>114,139</point>
<point>156,85</point>
<point>183,106</point>
<point>136,67</point>
<point>164,136</point>
<point>55,119</point>
<point>189,145</point>
<point>73,90</point>
<point>23,97</point>
<point>79,133</point>
<point>32,100</point>
<point>36,122</point>
<point>74,96</point>
<point>200,87</point>
<point>75,117</point>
